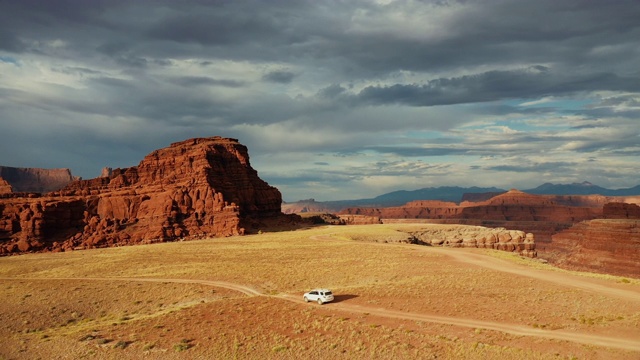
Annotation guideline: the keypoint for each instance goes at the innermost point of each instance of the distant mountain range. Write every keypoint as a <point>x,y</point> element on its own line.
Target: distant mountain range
<point>583,188</point>
<point>453,194</point>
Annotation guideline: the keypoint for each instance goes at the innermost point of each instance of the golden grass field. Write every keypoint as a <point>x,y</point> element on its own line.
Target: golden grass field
<point>240,298</point>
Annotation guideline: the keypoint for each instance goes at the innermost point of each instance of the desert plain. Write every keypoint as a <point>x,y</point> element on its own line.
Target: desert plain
<point>240,297</point>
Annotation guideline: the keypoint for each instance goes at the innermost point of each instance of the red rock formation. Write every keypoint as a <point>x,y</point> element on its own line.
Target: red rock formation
<point>311,206</point>
<point>510,206</point>
<point>36,180</point>
<point>569,230</point>
<point>5,187</point>
<point>621,211</point>
<point>194,188</point>
<point>542,215</point>
<point>359,219</point>
<point>610,245</point>
<point>603,245</point>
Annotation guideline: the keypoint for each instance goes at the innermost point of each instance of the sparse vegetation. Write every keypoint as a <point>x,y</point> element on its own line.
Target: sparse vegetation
<point>121,344</point>
<point>183,345</point>
<point>160,316</point>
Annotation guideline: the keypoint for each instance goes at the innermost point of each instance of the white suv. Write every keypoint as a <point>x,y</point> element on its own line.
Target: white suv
<point>320,295</point>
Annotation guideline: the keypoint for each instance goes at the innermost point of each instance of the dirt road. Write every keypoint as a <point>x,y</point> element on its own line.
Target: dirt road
<point>618,343</point>
<point>470,258</point>
<point>560,278</point>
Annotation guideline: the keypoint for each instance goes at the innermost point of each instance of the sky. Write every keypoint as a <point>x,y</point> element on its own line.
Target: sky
<point>334,99</point>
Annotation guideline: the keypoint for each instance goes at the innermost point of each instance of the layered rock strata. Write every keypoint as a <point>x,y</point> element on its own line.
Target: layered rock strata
<point>479,237</point>
<point>609,246</point>
<point>621,211</point>
<point>513,205</point>
<point>194,188</point>
<point>359,219</point>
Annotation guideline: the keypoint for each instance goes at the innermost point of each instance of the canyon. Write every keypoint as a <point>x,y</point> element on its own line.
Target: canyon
<point>582,232</point>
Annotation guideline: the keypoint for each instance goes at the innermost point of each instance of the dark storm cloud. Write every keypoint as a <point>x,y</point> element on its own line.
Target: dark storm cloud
<point>10,42</point>
<point>346,78</point>
<point>142,98</point>
<point>227,25</point>
<point>205,81</point>
<point>418,151</point>
<point>496,85</point>
<point>537,167</point>
<point>333,32</point>
<point>502,32</point>
<point>279,76</point>
<point>332,91</point>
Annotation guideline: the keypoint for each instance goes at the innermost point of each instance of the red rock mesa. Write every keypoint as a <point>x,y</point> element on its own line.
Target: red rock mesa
<point>194,188</point>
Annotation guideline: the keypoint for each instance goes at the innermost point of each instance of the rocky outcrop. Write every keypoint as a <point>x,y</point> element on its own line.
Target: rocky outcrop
<point>5,187</point>
<point>359,219</point>
<point>479,237</point>
<point>194,188</point>
<point>621,211</point>
<point>35,179</point>
<point>609,246</point>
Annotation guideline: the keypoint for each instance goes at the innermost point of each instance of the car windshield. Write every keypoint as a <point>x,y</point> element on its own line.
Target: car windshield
<point>327,293</point>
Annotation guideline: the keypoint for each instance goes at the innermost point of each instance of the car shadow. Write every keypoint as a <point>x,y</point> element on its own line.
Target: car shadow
<point>343,297</point>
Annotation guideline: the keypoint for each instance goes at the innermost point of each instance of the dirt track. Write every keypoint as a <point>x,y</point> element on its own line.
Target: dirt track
<point>476,259</point>
<point>560,278</point>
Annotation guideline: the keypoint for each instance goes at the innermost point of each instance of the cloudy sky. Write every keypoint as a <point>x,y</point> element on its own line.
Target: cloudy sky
<point>334,99</point>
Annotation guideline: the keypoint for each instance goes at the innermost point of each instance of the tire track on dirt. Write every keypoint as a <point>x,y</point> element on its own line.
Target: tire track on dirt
<point>489,262</point>
<point>559,278</point>
<point>223,284</point>
<point>514,329</point>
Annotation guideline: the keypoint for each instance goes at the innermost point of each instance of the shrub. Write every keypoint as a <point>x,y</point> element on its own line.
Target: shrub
<point>121,345</point>
<point>183,345</point>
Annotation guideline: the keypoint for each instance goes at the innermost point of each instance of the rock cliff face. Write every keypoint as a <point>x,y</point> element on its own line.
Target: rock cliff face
<point>603,245</point>
<point>194,188</point>
<point>36,180</point>
<point>610,245</point>
<point>621,211</point>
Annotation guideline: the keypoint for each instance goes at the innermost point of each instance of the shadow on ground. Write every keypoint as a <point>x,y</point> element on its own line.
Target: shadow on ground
<point>344,297</point>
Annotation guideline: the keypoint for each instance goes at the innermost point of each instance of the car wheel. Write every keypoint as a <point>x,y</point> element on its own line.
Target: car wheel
<point>319,301</point>
<point>305,299</point>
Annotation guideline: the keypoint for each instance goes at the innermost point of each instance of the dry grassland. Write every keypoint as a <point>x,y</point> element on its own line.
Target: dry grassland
<point>392,302</point>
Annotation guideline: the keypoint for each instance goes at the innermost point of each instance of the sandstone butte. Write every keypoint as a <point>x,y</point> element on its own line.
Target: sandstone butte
<point>194,188</point>
<point>33,179</point>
